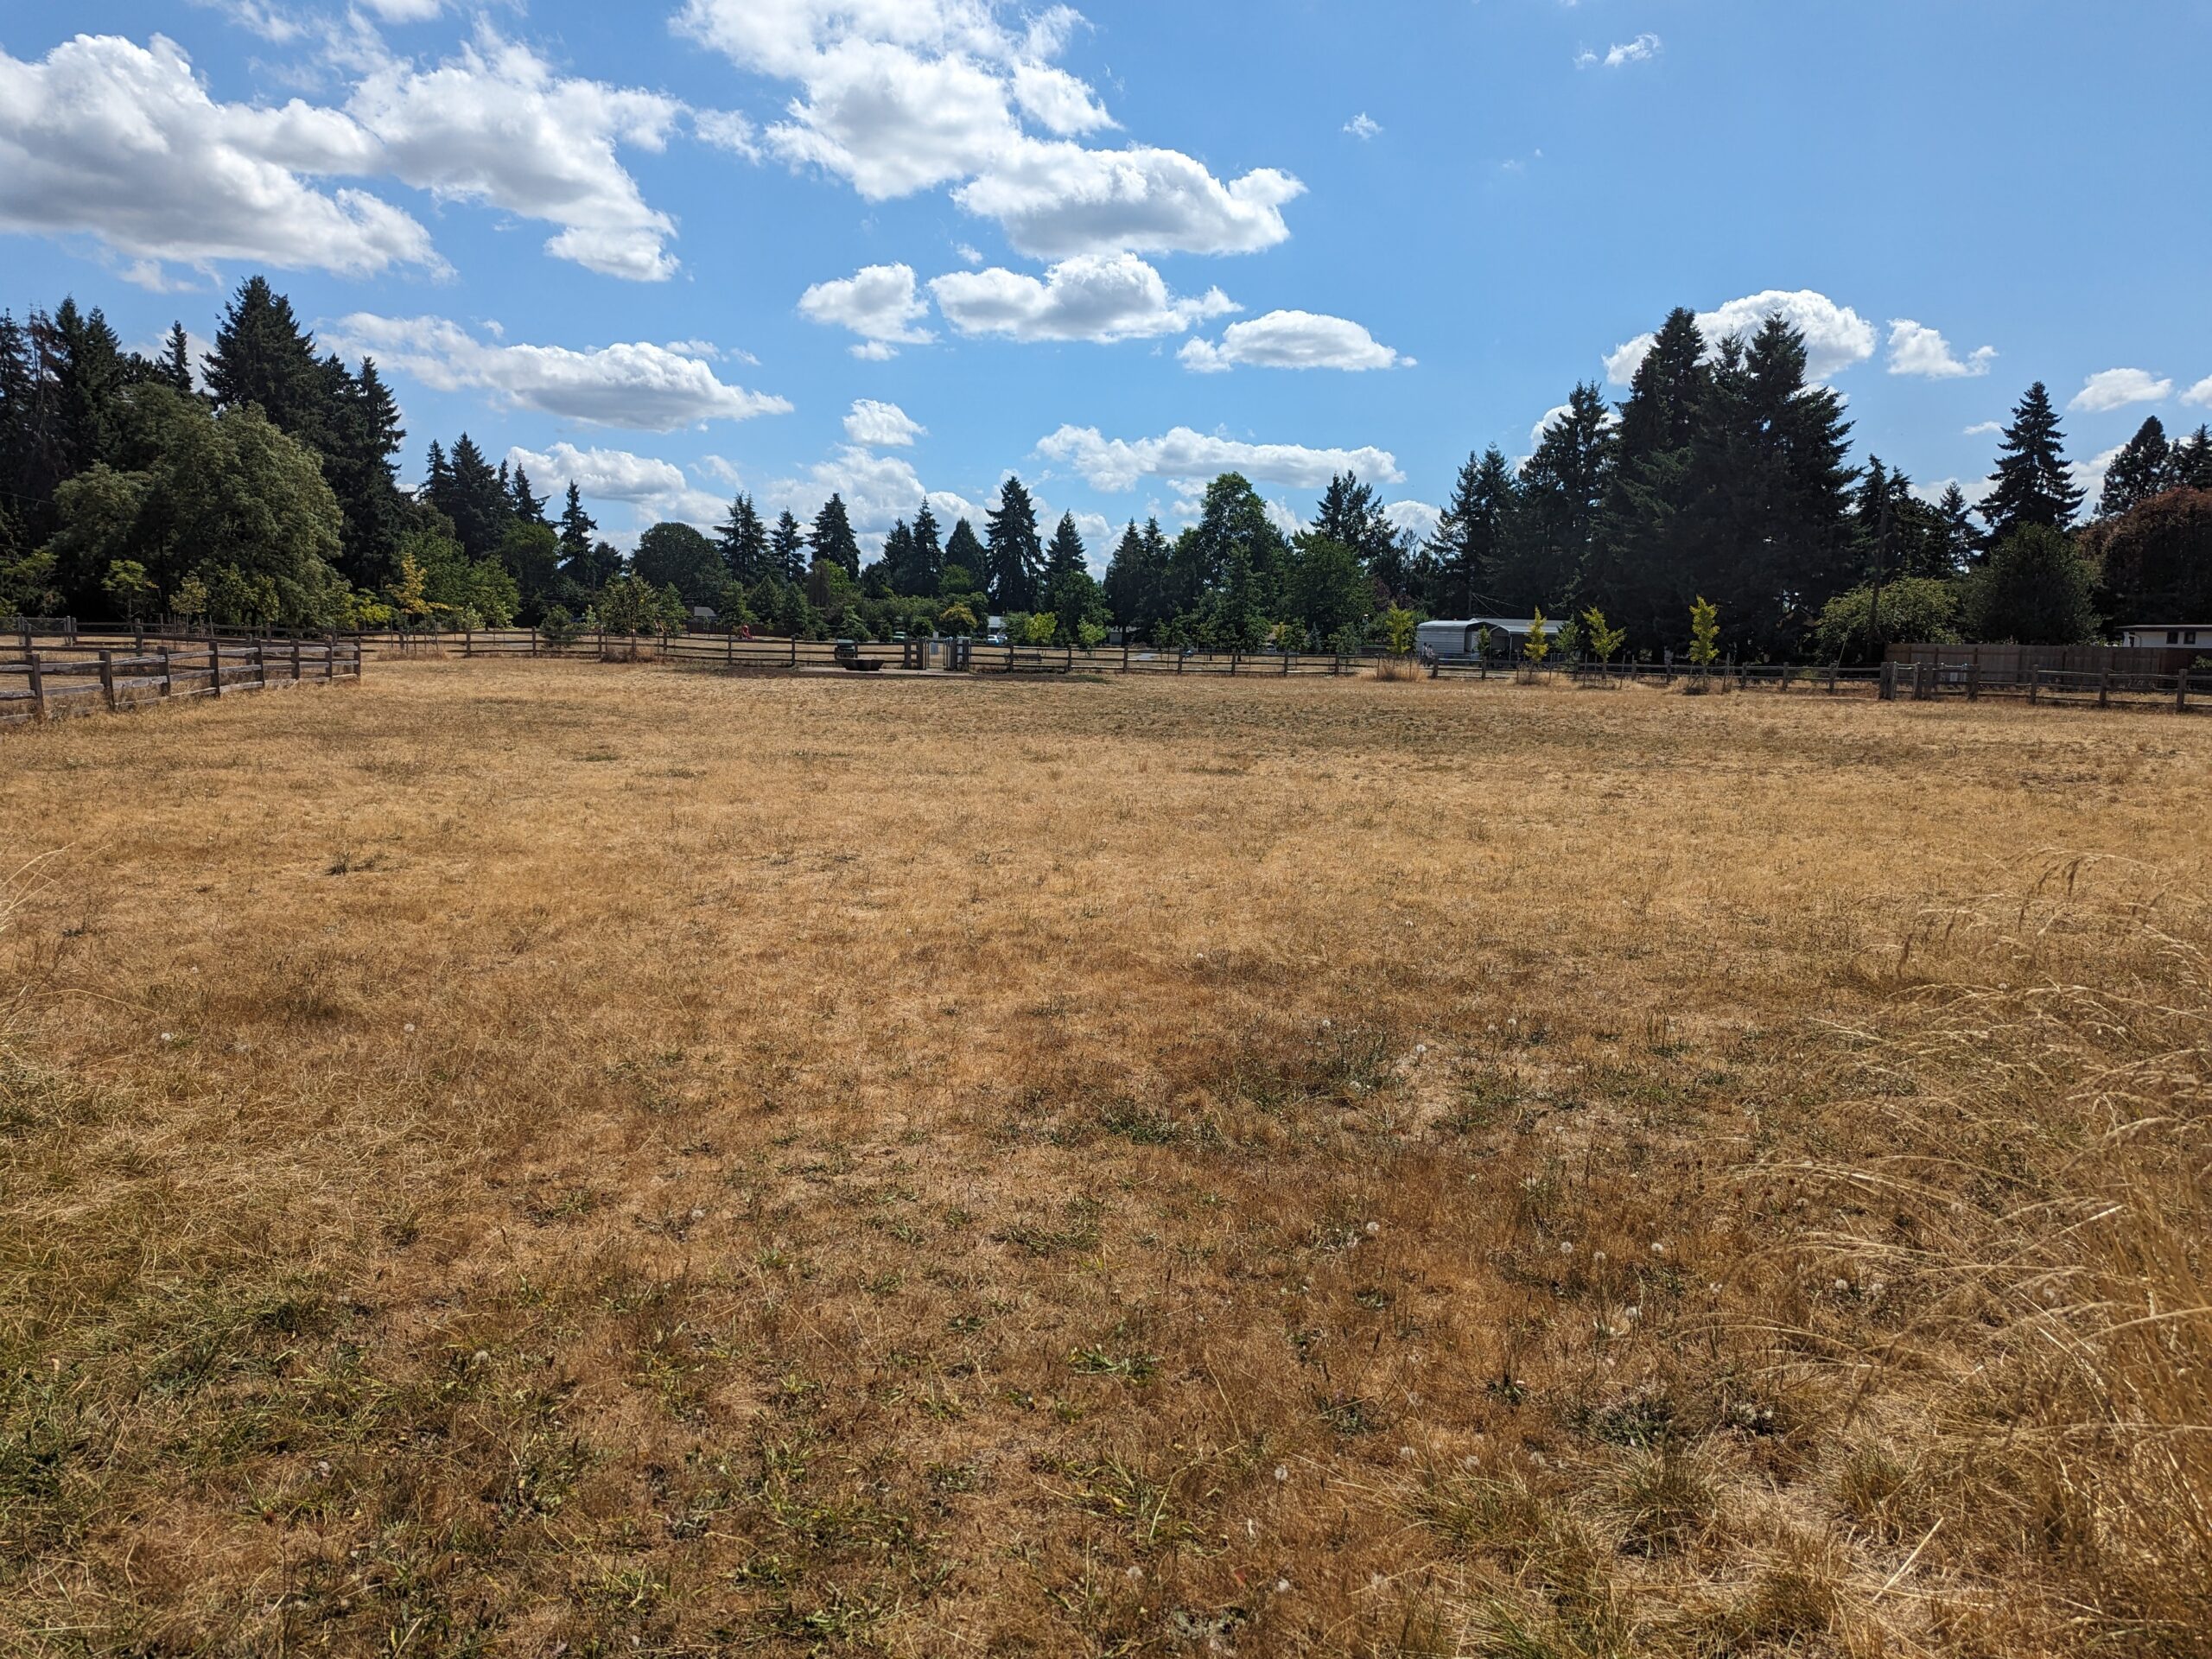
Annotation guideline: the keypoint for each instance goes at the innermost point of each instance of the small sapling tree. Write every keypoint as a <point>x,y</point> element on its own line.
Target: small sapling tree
<point>1605,641</point>
<point>1539,639</point>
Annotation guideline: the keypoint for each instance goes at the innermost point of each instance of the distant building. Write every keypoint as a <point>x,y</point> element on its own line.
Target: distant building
<point>2167,633</point>
<point>1464,638</point>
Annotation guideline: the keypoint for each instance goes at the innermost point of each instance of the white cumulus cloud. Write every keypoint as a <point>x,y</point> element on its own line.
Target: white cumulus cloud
<point>1418,519</point>
<point>882,426</point>
<point>2118,388</point>
<point>2200,394</point>
<point>1117,465</point>
<point>1836,337</point>
<point>1099,297</point>
<point>123,142</point>
<point>639,385</point>
<point>1363,126</point>
<point>497,126</point>
<point>1292,340</point>
<point>1916,349</point>
<point>1059,199</point>
<point>878,302</point>
<point>604,474</point>
<point>899,96</point>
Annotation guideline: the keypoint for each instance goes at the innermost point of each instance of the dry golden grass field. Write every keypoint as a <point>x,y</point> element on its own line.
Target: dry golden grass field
<point>550,1159</point>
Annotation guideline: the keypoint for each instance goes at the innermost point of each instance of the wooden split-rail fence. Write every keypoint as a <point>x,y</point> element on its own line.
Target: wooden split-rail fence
<point>48,679</point>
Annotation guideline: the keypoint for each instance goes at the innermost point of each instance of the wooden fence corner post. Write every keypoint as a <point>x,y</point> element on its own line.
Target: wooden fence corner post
<point>38,686</point>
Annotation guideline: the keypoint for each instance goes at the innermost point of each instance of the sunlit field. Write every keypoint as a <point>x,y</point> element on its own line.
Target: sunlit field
<point>542,1158</point>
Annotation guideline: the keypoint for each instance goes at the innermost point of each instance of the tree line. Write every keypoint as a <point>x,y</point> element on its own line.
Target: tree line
<point>263,489</point>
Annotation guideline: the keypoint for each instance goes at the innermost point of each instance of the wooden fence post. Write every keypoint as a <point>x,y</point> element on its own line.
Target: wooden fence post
<point>794,651</point>
<point>2104,687</point>
<point>1974,680</point>
<point>215,665</point>
<point>468,642</point>
<point>1887,691</point>
<point>38,685</point>
<point>107,678</point>
<point>2181,692</point>
<point>167,676</point>
<point>2035,686</point>
<point>296,661</point>
<point>260,666</point>
<point>1125,653</point>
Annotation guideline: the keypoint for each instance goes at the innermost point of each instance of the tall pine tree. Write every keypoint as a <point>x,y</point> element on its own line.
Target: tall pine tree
<point>1640,566</point>
<point>263,356</point>
<point>575,532</point>
<point>832,540</point>
<point>2143,468</point>
<point>1562,490</point>
<point>787,549</point>
<point>1015,558</point>
<point>925,560</point>
<point>2033,484</point>
<point>743,537</point>
<point>963,570</point>
<point>1468,548</point>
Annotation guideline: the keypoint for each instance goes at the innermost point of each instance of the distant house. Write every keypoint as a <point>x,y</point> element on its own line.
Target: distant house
<point>2167,633</point>
<point>1464,638</point>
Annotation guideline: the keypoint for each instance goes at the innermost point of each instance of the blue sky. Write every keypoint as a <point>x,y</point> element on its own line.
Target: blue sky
<point>883,246</point>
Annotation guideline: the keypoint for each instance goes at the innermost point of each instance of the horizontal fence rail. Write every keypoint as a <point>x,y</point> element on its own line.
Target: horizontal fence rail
<point>48,682</point>
<point>1930,677</point>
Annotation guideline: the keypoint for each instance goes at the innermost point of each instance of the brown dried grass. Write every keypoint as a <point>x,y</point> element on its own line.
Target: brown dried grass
<point>537,1153</point>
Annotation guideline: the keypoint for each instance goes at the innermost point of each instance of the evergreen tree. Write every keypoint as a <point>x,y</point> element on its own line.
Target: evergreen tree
<point>175,368</point>
<point>964,561</point>
<point>1962,543</point>
<point>2192,460</point>
<point>1641,564</point>
<point>1562,489</point>
<point>1468,548</point>
<point>2031,485</point>
<point>787,549</point>
<point>832,539</point>
<point>2143,468</point>
<point>529,508</point>
<point>1137,580</point>
<point>89,373</point>
<point>898,559</point>
<point>1066,552</point>
<point>1772,540</point>
<point>1351,513</point>
<point>362,437</point>
<point>926,563</point>
<point>472,494</point>
<point>438,476</point>
<point>575,537</point>
<point>1014,562</point>
<point>744,540</point>
<point>263,356</point>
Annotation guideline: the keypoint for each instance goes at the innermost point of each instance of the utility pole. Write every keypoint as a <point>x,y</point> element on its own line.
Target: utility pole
<point>1881,549</point>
